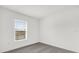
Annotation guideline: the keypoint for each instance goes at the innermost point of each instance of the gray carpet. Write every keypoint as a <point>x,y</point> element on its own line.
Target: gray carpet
<point>40,48</point>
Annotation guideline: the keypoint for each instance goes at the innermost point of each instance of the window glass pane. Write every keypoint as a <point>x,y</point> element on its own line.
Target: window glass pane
<point>20,29</point>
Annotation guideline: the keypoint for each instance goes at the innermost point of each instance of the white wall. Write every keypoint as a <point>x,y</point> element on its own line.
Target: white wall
<point>7,19</point>
<point>61,29</point>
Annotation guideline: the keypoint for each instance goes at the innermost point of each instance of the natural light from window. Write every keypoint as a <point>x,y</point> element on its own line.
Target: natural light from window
<point>20,29</point>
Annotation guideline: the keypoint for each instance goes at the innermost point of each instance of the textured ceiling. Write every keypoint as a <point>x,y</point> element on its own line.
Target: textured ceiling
<point>37,11</point>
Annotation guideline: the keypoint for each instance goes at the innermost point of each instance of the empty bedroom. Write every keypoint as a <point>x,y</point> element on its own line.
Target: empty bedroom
<point>39,28</point>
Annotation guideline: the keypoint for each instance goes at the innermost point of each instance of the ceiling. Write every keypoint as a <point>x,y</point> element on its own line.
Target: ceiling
<point>37,11</point>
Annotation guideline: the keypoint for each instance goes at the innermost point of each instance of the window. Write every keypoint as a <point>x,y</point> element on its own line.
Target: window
<point>20,29</point>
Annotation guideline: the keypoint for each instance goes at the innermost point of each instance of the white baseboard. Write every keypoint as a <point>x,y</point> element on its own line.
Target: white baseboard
<point>20,47</point>
<point>57,46</point>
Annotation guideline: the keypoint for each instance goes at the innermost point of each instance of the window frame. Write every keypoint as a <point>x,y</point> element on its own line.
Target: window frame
<point>15,29</point>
